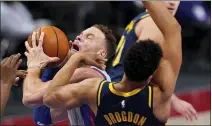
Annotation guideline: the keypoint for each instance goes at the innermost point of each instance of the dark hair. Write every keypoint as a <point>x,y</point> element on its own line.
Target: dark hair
<point>141,60</point>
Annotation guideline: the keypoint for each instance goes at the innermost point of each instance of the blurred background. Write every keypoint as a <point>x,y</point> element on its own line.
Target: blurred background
<point>19,19</point>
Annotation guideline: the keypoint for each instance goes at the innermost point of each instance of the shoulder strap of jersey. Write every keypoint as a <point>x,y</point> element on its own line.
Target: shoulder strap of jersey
<point>103,73</point>
<point>141,16</point>
<point>101,90</point>
<point>150,96</point>
<point>133,22</point>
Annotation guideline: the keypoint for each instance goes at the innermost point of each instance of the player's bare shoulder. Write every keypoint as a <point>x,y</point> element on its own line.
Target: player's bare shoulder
<point>145,27</point>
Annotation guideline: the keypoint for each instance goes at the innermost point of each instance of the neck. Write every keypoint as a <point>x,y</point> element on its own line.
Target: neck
<point>127,85</point>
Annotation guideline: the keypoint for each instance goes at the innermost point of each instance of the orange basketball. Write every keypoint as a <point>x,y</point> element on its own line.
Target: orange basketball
<point>55,43</point>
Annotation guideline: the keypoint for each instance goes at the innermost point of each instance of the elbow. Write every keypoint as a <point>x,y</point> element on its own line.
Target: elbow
<point>30,102</point>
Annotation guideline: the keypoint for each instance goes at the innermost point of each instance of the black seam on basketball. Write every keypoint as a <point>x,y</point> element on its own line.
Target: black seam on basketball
<point>57,40</point>
<point>67,51</point>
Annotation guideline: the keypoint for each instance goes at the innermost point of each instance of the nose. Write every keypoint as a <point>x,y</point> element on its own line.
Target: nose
<point>171,3</point>
<point>78,38</point>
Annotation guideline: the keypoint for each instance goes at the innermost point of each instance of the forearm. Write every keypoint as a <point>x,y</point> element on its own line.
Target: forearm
<point>5,92</point>
<point>162,17</point>
<point>63,76</point>
<point>33,88</point>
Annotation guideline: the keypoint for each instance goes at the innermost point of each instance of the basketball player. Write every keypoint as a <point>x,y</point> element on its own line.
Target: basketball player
<point>140,28</point>
<point>9,76</point>
<point>129,102</point>
<point>175,102</point>
<point>97,38</point>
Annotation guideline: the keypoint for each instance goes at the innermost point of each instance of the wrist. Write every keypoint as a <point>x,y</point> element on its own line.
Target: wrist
<point>34,70</point>
<point>173,98</point>
<point>76,58</point>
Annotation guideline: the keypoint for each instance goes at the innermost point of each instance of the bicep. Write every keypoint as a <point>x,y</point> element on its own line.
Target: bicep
<point>73,95</point>
<point>68,96</point>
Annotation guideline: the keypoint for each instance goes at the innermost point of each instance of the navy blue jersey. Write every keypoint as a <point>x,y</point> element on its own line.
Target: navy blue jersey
<point>116,70</point>
<point>132,108</point>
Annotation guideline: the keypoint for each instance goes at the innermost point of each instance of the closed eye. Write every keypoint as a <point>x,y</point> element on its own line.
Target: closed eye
<point>90,36</point>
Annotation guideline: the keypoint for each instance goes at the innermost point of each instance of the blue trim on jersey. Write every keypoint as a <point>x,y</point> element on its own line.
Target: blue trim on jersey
<point>42,115</point>
<point>48,74</point>
<point>86,115</point>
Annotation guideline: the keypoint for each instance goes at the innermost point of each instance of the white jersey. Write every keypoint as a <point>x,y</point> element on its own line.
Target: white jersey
<point>75,115</point>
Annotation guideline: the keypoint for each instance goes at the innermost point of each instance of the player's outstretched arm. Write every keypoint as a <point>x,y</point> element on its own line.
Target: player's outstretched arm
<point>61,79</point>
<point>45,115</point>
<point>181,106</point>
<point>172,54</point>
<point>33,87</point>
<point>74,95</point>
<point>9,67</point>
<point>171,31</point>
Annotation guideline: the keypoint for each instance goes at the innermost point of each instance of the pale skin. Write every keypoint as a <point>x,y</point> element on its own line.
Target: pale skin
<point>34,88</point>
<point>158,34</point>
<point>85,91</point>
<point>9,76</point>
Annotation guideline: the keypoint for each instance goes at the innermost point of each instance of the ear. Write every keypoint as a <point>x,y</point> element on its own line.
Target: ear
<point>103,53</point>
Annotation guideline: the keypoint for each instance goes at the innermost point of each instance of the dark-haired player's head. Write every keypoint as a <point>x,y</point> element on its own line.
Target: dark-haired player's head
<point>142,60</point>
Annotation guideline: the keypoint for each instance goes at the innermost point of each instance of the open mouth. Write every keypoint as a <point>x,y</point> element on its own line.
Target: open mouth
<point>171,8</point>
<point>75,47</point>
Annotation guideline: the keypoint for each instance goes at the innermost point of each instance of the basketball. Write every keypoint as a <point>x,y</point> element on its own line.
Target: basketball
<point>55,43</point>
